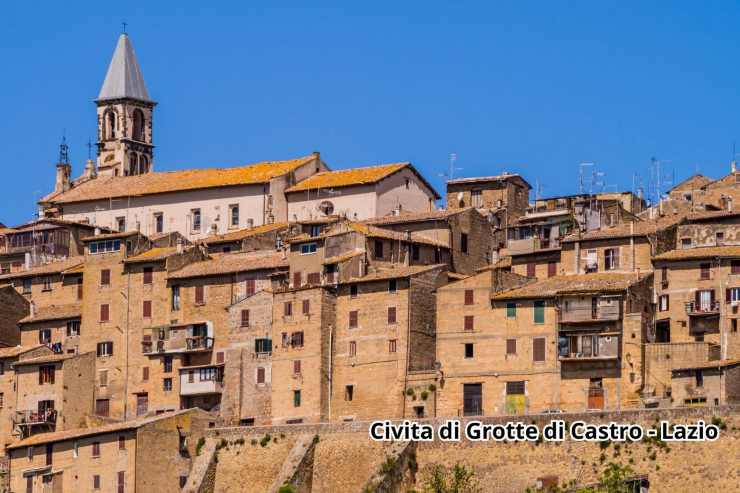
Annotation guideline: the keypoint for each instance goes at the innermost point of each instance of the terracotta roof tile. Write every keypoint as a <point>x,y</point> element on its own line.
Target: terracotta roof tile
<point>229,263</point>
<point>721,363</point>
<point>51,358</point>
<point>623,230</point>
<point>344,256</point>
<point>152,255</point>
<point>110,236</point>
<point>53,312</point>
<point>12,352</point>
<point>410,217</point>
<point>394,273</point>
<point>572,284</point>
<point>244,233</point>
<point>375,232</point>
<point>729,251</point>
<point>175,181</point>
<point>348,177</point>
<point>709,215</point>
<point>50,268</point>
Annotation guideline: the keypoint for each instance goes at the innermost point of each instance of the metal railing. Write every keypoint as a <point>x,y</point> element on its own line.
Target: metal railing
<point>702,308</point>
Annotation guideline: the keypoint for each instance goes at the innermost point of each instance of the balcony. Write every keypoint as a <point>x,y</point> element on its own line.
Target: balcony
<point>702,309</point>
<point>201,380</point>
<point>179,339</point>
<point>588,347</point>
<point>199,343</point>
<point>585,310</point>
<point>28,422</point>
<point>531,245</point>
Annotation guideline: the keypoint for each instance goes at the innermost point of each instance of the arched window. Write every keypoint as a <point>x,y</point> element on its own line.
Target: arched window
<point>133,164</point>
<point>143,164</point>
<point>110,125</point>
<point>138,125</point>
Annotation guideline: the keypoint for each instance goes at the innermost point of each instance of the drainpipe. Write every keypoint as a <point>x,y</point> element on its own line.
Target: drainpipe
<point>331,367</point>
<point>578,257</point>
<point>128,310</point>
<point>408,347</point>
<point>722,314</point>
<point>632,243</point>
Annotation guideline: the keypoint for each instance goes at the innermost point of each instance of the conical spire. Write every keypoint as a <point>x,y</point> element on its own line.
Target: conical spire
<point>124,79</point>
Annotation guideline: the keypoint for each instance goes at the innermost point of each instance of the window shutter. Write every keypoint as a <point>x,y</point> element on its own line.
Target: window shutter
<point>314,278</point>
<point>147,275</point>
<point>220,357</point>
<point>251,287</point>
<point>105,277</point>
<point>306,307</point>
<point>510,346</point>
<point>538,351</point>
<point>288,308</point>
<point>297,367</point>
<point>531,266</point>
<point>245,318</point>
<point>728,295</point>
<point>353,319</point>
<point>469,297</point>
<point>199,295</point>
<point>469,321</point>
<point>147,309</point>
<point>296,279</point>
<point>711,296</point>
<point>697,300</point>
<point>145,373</point>
<point>104,315</point>
<point>260,375</point>
<point>391,314</point>
<point>552,269</point>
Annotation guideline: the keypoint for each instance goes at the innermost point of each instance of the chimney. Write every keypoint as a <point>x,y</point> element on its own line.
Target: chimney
<point>32,308</point>
<point>62,183</point>
<point>27,261</point>
<point>733,166</point>
<point>179,245</point>
<point>90,170</point>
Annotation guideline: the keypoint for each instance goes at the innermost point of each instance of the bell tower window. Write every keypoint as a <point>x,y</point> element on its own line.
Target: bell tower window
<point>138,125</point>
<point>110,125</point>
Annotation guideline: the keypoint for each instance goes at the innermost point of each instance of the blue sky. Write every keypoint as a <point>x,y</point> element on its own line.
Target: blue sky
<point>528,87</point>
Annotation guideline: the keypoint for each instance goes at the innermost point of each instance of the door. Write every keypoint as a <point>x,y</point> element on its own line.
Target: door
<point>57,482</point>
<point>472,399</point>
<point>516,401</point>
<point>596,394</point>
<point>142,404</point>
<point>705,300</point>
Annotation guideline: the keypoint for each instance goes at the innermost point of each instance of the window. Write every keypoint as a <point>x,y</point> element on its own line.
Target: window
<point>733,324</point>
<point>699,377</point>
<point>46,374</point>
<point>234,215</point>
<point>103,378</point>
<point>44,336</point>
<point>664,275</point>
<point>476,198</point>
<point>353,291</point>
<point>105,348</point>
<point>353,319</point>
<point>539,312</point>
<point>511,310</point>
<point>469,352</point>
<point>531,269</point>
<point>167,363</point>
<point>297,280</point>
<point>685,242</point>
<point>167,385</point>
<point>96,449</point>
<point>96,482</point>
<point>195,213</point>
<point>27,282</point>
<point>296,367</point>
<point>200,295</point>
<point>245,318</point>
<point>148,272</point>
<point>663,303</point>
<point>147,309</point>
<point>145,374</point>
<point>392,346</point>
<point>315,231</point>
<point>262,345</point>
<point>391,314</point>
<point>306,308</point>
<point>719,237</point>
<point>469,322</point>
<point>515,388</point>
<point>349,391</point>
<point>296,398</point>
<point>158,222</point>
<point>73,328</point>
<point>352,348</point>
<point>735,267</point>
<point>378,249</point>
<point>207,374</point>
<point>538,349</point>
<point>469,297</point>
<point>2,399</point>
<point>308,248</point>
<point>121,442</point>
<point>704,270</point>
<point>313,278</point>
<point>415,252</point>
<point>120,224</point>
<point>288,309</point>
<point>463,243</point>
<point>552,269</point>
<point>75,449</point>
<point>260,375</point>
<point>121,481</point>
<point>392,285</point>
<point>296,339</point>
<point>46,284</point>
<point>510,347</point>
<point>104,313</point>
<point>107,246</point>
<point>105,277</point>
<point>175,298</point>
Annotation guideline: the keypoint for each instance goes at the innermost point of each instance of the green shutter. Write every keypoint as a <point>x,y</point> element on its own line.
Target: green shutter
<point>511,310</point>
<point>539,312</point>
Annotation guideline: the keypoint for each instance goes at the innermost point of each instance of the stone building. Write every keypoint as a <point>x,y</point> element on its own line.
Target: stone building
<point>361,193</point>
<point>13,308</point>
<point>146,454</point>
<point>506,191</point>
<point>54,392</point>
<point>712,383</point>
<point>265,237</point>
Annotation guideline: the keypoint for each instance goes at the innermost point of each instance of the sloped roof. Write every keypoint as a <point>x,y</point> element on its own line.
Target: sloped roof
<point>376,232</point>
<point>394,273</point>
<point>484,179</point>
<point>721,363</point>
<point>412,217</point>
<point>110,236</point>
<point>51,358</point>
<point>244,233</point>
<point>624,230</point>
<point>53,312</point>
<point>701,216</point>
<point>59,436</point>
<point>355,176</point>
<point>12,352</point>
<point>728,251</point>
<point>105,187</point>
<point>152,255</point>
<point>124,79</point>
<point>693,182</point>
<point>344,256</point>
<point>572,284</point>
<point>229,263</point>
<point>51,268</point>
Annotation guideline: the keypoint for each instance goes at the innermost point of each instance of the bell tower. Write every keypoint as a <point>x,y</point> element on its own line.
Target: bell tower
<point>125,145</point>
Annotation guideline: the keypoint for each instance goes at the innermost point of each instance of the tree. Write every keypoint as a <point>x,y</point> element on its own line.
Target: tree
<point>459,479</point>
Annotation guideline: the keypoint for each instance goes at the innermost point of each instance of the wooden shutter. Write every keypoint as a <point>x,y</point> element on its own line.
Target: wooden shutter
<point>510,346</point>
<point>306,307</point>
<point>191,376</point>
<point>314,278</point>
<point>147,275</point>
<point>288,308</point>
<point>353,319</point>
<point>147,309</point>
<point>469,322</point>
<point>199,295</point>
<point>469,297</point>
<point>145,373</point>
<point>245,318</point>
<point>260,375</point>
<point>105,277</point>
<point>104,313</point>
<point>296,279</point>
<point>704,268</point>
<point>220,357</point>
<point>251,287</point>
<point>552,269</point>
<point>538,349</point>
<point>735,267</point>
<point>531,266</point>
<point>79,288</point>
<point>297,367</point>
<point>728,295</point>
<point>391,314</point>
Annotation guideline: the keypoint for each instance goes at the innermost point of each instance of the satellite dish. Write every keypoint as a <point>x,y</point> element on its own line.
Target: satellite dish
<point>326,207</point>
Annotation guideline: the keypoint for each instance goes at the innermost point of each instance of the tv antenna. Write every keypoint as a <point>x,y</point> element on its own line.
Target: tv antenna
<point>451,172</point>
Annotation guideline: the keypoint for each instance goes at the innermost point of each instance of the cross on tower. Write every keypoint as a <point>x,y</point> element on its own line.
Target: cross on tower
<point>124,26</point>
